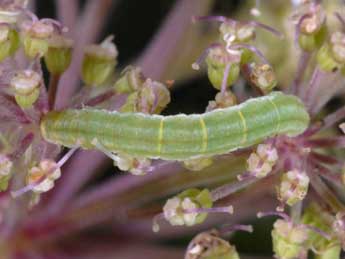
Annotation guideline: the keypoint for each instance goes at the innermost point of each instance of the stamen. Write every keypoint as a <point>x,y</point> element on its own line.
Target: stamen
<point>274,213</point>
<point>202,57</point>
<point>228,209</point>
<point>246,228</point>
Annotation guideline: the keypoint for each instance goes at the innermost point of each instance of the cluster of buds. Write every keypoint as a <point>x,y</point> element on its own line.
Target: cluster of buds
<point>311,27</point>
<point>26,87</point>
<point>261,162</point>
<point>293,187</point>
<point>99,62</point>
<point>5,171</point>
<point>224,60</point>
<point>209,244</point>
<point>145,95</point>
<point>189,208</point>
<point>319,218</point>
<point>41,178</point>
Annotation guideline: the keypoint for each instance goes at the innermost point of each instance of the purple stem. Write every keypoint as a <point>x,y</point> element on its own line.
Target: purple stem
<point>162,49</point>
<point>326,142</point>
<point>89,27</point>
<point>301,68</point>
<point>67,12</point>
<point>24,144</point>
<point>225,77</point>
<point>333,118</point>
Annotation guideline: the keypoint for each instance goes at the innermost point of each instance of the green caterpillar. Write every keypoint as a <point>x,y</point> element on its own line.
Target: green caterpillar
<point>178,137</point>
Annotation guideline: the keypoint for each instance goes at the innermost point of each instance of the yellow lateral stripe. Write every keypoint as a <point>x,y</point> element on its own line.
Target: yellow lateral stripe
<point>244,124</point>
<point>160,135</point>
<point>278,114</point>
<point>204,134</point>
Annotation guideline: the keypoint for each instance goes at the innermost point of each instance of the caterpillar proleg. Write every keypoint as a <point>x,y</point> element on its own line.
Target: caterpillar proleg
<point>178,137</point>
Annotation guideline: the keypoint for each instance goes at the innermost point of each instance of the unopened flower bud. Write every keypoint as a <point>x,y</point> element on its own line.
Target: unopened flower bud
<point>132,80</point>
<point>293,187</point>
<point>289,239</point>
<point>191,199</point>
<point>59,54</point>
<point>222,100</point>
<point>26,86</point>
<point>136,166</point>
<point>9,41</point>
<point>35,38</point>
<point>210,245</point>
<point>42,177</point>
<point>198,164</point>
<point>99,62</point>
<point>216,61</point>
<point>261,162</point>
<point>263,77</point>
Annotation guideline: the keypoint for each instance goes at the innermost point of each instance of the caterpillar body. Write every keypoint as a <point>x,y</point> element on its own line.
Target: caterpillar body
<point>178,137</point>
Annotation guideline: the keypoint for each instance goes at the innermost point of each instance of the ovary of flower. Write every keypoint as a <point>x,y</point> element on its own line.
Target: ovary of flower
<point>174,211</point>
<point>47,168</point>
<point>293,187</point>
<point>5,165</point>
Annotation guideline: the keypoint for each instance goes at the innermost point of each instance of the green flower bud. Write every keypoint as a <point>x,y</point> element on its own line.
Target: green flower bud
<point>216,61</point>
<point>35,38</point>
<point>26,86</point>
<point>175,208</point>
<point>263,77</point>
<point>293,187</point>
<point>131,80</point>
<point>99,62</point>
<point>289,239</point>
<point>59,54</point>
<point>311,42</point>
<point>9,41</point>
<point>209,245</point>
<point>325,59</point>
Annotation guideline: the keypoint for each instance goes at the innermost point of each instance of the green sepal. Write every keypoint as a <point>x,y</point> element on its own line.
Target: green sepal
<point>215,73</point>
<point>26,101</point>
<point>325,60</point>
<point>35,47</point>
